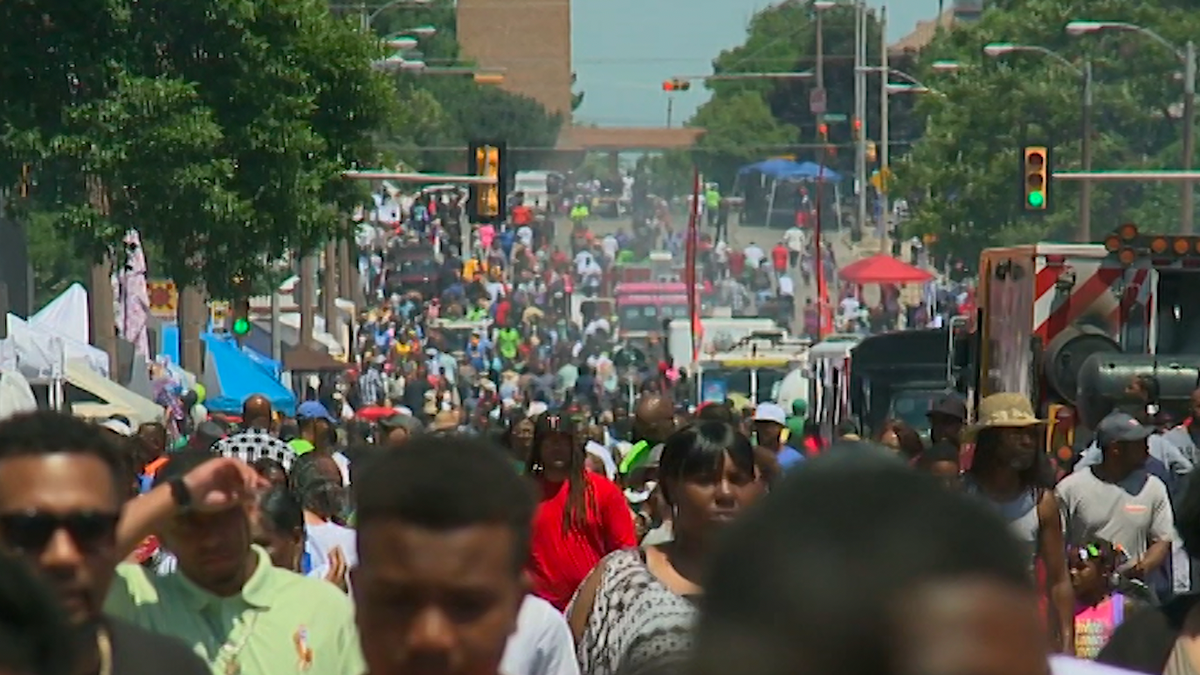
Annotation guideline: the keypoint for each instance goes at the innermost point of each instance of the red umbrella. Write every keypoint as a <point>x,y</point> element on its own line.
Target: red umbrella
<point>883,269</point>
<point>375,413</point>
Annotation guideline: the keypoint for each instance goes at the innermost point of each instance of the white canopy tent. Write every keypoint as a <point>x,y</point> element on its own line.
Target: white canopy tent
<point>16,396</point>
<point>41,352</point>
<point>66,315</point>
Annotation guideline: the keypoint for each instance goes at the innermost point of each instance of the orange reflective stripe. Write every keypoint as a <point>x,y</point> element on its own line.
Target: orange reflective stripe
<point>152,468</point>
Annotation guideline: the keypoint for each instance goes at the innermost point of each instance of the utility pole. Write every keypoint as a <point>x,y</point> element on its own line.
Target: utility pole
<point>860,111</point>
<point>1189,134</point>
<point>308,298</point>
<point>329,292</point>
<point>885,210</point>
<point>1085,187</point>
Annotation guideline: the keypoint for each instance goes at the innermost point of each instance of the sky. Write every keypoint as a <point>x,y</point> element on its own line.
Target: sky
<point>624,49</point>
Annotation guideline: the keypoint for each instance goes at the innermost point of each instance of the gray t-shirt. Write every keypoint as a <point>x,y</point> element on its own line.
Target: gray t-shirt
<point>1132,513</point>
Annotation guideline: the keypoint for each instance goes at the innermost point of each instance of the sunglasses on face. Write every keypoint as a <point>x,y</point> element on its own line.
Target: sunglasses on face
<point>31,531</point>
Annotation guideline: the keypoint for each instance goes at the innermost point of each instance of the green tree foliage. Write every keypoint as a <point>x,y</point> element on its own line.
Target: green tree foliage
<point>466,110</point>
<point>740,129</point>
<point>783,39</point>
<point>219,129</point>
<point>962,179</point>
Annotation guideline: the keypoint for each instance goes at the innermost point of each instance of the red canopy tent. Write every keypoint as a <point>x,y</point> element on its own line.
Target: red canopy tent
<point>883,269</point>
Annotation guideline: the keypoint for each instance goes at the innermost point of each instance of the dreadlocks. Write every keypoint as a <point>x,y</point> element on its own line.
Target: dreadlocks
<point>579,495</point>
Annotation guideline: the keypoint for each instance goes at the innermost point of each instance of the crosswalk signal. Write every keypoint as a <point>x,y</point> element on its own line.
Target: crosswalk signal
<point>218,316</point>
<point>676,84</point>
<point>1035,176</point>
<point>489,160</point>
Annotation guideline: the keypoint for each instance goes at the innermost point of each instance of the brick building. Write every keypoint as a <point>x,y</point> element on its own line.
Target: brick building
<point>529,39</point>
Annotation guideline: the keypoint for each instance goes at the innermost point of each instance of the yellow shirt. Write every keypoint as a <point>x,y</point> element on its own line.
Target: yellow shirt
<point>281,623</point>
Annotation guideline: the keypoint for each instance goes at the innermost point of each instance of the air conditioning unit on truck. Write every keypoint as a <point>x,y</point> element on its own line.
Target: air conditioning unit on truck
<point>1072,326</point>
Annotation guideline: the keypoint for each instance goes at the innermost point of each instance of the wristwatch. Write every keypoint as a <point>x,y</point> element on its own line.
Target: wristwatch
<point>180,493</point>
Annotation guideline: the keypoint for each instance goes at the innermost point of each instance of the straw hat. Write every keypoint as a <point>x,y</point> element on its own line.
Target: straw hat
<point>1005,411</point>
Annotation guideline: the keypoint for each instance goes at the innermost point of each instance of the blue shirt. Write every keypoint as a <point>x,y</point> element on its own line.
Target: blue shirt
<point>788,457</point>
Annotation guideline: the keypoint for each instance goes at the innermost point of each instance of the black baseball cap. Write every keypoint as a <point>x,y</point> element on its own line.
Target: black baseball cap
<point>950,406</point>
<point>1120,427</point>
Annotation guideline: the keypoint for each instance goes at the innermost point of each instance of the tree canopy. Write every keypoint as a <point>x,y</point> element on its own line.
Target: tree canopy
<point>783,39</point>
<point>961,178</point>
<point>218,129</point>
<point>462,108</point>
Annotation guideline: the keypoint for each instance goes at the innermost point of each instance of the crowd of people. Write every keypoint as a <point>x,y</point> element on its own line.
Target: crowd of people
<point>714,545</point>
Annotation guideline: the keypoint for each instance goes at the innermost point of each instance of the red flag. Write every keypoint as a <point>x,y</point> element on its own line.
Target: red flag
<point>690,264</point>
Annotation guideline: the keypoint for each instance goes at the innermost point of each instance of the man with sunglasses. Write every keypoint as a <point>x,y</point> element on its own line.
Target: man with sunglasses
<point>62,490</point>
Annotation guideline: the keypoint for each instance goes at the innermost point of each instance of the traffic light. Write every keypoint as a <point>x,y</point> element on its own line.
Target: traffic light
<point>1035,178</point>
<point>488,159</point>
<point>241,326</point>
<point>856,125</point>
<point>676,84</point>
<point>218,316</point>
<point>872,152</point>
<point>823,131</point>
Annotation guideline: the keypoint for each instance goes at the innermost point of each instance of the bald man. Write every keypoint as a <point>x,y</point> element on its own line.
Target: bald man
<point>257,413</point>
<point>653,418</point>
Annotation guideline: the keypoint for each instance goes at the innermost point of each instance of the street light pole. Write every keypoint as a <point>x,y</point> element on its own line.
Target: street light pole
<point>860,112</point>
<point>1189,134</point>
<point>884,131</point>
<point>1084,234</point>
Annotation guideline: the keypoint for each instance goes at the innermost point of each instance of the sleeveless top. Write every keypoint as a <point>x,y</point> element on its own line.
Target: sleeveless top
<point>1095,625</point>
<point>636,624</point>
<point>1021,514</point>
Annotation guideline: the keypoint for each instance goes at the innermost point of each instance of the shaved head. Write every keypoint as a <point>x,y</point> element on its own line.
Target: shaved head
<point>257,412</point>
<point>654,418</point>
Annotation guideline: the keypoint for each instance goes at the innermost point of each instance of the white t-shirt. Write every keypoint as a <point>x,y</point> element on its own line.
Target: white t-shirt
<point>794,239</point>
<point>611,246</point>
<point>786,287</point>
<point>323,538</point>
<point>754,255</point>
<point>542,643</point>
<point>525,234</point>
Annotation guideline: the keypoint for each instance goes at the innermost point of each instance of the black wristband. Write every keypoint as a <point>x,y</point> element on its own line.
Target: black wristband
<point>180,493</point>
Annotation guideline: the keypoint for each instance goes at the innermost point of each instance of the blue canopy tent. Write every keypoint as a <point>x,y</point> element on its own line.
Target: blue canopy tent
<point>814,171</point>
<point>230,376</point>
<point>779,169</point>
<point>776,168</point>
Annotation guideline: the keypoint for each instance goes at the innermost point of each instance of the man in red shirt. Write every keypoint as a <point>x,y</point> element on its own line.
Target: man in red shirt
<point>737,263</point>
<point>779,259</point>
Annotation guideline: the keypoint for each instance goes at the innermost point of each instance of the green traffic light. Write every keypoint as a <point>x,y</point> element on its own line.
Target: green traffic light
<point>1037,199</point>
<point>241,326</point>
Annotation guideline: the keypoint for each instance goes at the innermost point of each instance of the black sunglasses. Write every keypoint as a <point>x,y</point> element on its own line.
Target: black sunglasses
<point>31,531</point>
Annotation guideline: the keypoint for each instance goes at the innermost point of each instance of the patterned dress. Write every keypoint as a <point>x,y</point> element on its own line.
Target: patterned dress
<point>636,624</point>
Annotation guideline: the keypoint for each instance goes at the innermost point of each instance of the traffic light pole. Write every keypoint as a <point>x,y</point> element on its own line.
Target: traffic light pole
<point>1130,176</point>
<point>1085,189</point>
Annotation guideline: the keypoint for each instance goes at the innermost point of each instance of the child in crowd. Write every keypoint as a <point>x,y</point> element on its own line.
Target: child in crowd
<point>1100,606</point>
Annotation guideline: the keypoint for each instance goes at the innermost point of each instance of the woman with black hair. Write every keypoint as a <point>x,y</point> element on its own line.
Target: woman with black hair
<point>1011,471</point>
<point>635,611</point>
<point>518,436</point>
<point>581,516</point>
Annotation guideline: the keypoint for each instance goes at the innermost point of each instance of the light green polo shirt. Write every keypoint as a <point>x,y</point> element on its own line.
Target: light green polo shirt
<point>280,623</point>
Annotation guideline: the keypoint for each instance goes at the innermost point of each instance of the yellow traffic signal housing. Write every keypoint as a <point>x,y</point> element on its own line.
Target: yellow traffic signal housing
<point>1035,178</point>
<point>676,84</point>
<point>872,152</point>
<point>487,200</point>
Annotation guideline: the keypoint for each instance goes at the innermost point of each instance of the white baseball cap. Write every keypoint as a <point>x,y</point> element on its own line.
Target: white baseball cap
<point>770,412</point>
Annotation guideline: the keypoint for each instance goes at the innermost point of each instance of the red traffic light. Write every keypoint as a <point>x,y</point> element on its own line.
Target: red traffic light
<point>823,130</point>
<point>668,86</point>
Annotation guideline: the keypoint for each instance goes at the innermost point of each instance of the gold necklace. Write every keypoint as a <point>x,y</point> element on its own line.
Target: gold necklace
<point>104,647</point>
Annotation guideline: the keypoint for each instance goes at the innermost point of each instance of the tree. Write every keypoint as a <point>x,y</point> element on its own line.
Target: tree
<point>576,96</point>
<point>219,129</point>
<point>961,177</point>
<point>782,39</point>
<point>739,129</point>
<point>474,110</point>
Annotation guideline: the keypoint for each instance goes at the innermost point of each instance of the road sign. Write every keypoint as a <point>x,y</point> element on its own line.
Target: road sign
<point>835,117</point>
<point>218,315</point>
<point>164,299</point>
<point>817,101</point>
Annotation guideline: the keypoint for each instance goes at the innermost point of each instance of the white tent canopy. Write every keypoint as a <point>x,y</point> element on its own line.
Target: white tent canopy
<point>66,315</point>
<point>16,396</point>
<point>40,350</point>
<point>114,399</point>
